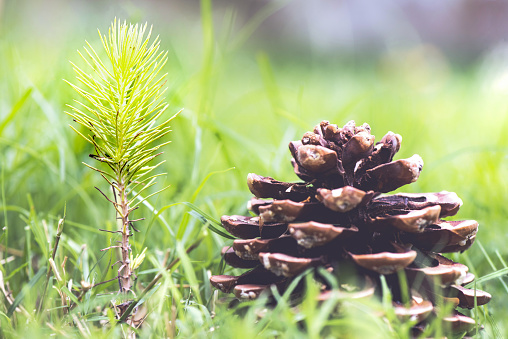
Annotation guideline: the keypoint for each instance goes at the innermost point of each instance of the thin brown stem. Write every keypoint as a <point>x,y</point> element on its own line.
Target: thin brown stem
<point>59,232</point>
<point>125,273</point>
<point>105,196</point>
<point>100,229</point>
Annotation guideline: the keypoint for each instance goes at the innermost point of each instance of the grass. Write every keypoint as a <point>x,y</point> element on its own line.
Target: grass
<point>241,108</point>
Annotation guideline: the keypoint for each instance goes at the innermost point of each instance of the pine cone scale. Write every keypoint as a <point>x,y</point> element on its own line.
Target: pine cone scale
<point>385,262</point>
<point>233,260</point>
<point>414,221</point>
<point>266,187</point>
<point>390,176</point>
<point>313,234</point>
<point>286,265</point>
<point>449,202</point>
<point>468,297</point>
<point>248,227</point>
<point>445,236</point>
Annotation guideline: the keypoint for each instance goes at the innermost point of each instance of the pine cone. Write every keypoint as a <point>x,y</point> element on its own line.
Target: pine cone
<point>339,219</point>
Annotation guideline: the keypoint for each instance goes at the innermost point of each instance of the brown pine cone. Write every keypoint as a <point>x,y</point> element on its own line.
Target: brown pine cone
<point>339,219</point>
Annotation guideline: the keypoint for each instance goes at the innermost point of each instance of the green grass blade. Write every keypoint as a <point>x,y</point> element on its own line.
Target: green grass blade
<point>214,224</point>
<point>494,275</point>
<point>19,298</point>
<point>15,109</point>
<point>70,295</point>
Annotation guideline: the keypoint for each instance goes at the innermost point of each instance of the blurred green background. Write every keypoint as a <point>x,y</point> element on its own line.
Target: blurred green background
<point>251,76</point>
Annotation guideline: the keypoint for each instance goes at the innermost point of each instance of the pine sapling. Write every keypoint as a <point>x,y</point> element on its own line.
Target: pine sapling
<point>122,102</point>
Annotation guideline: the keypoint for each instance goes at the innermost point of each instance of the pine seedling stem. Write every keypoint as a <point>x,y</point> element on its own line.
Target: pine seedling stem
<point>125,271</point>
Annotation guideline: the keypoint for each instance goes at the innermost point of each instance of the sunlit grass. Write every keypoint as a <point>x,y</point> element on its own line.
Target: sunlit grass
<point>241,108</point>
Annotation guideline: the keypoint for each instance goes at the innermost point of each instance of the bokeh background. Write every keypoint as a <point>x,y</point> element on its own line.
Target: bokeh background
<point>252,75</point>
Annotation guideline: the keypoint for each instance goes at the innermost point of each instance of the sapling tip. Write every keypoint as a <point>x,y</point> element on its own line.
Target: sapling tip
<point>122,106</point>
